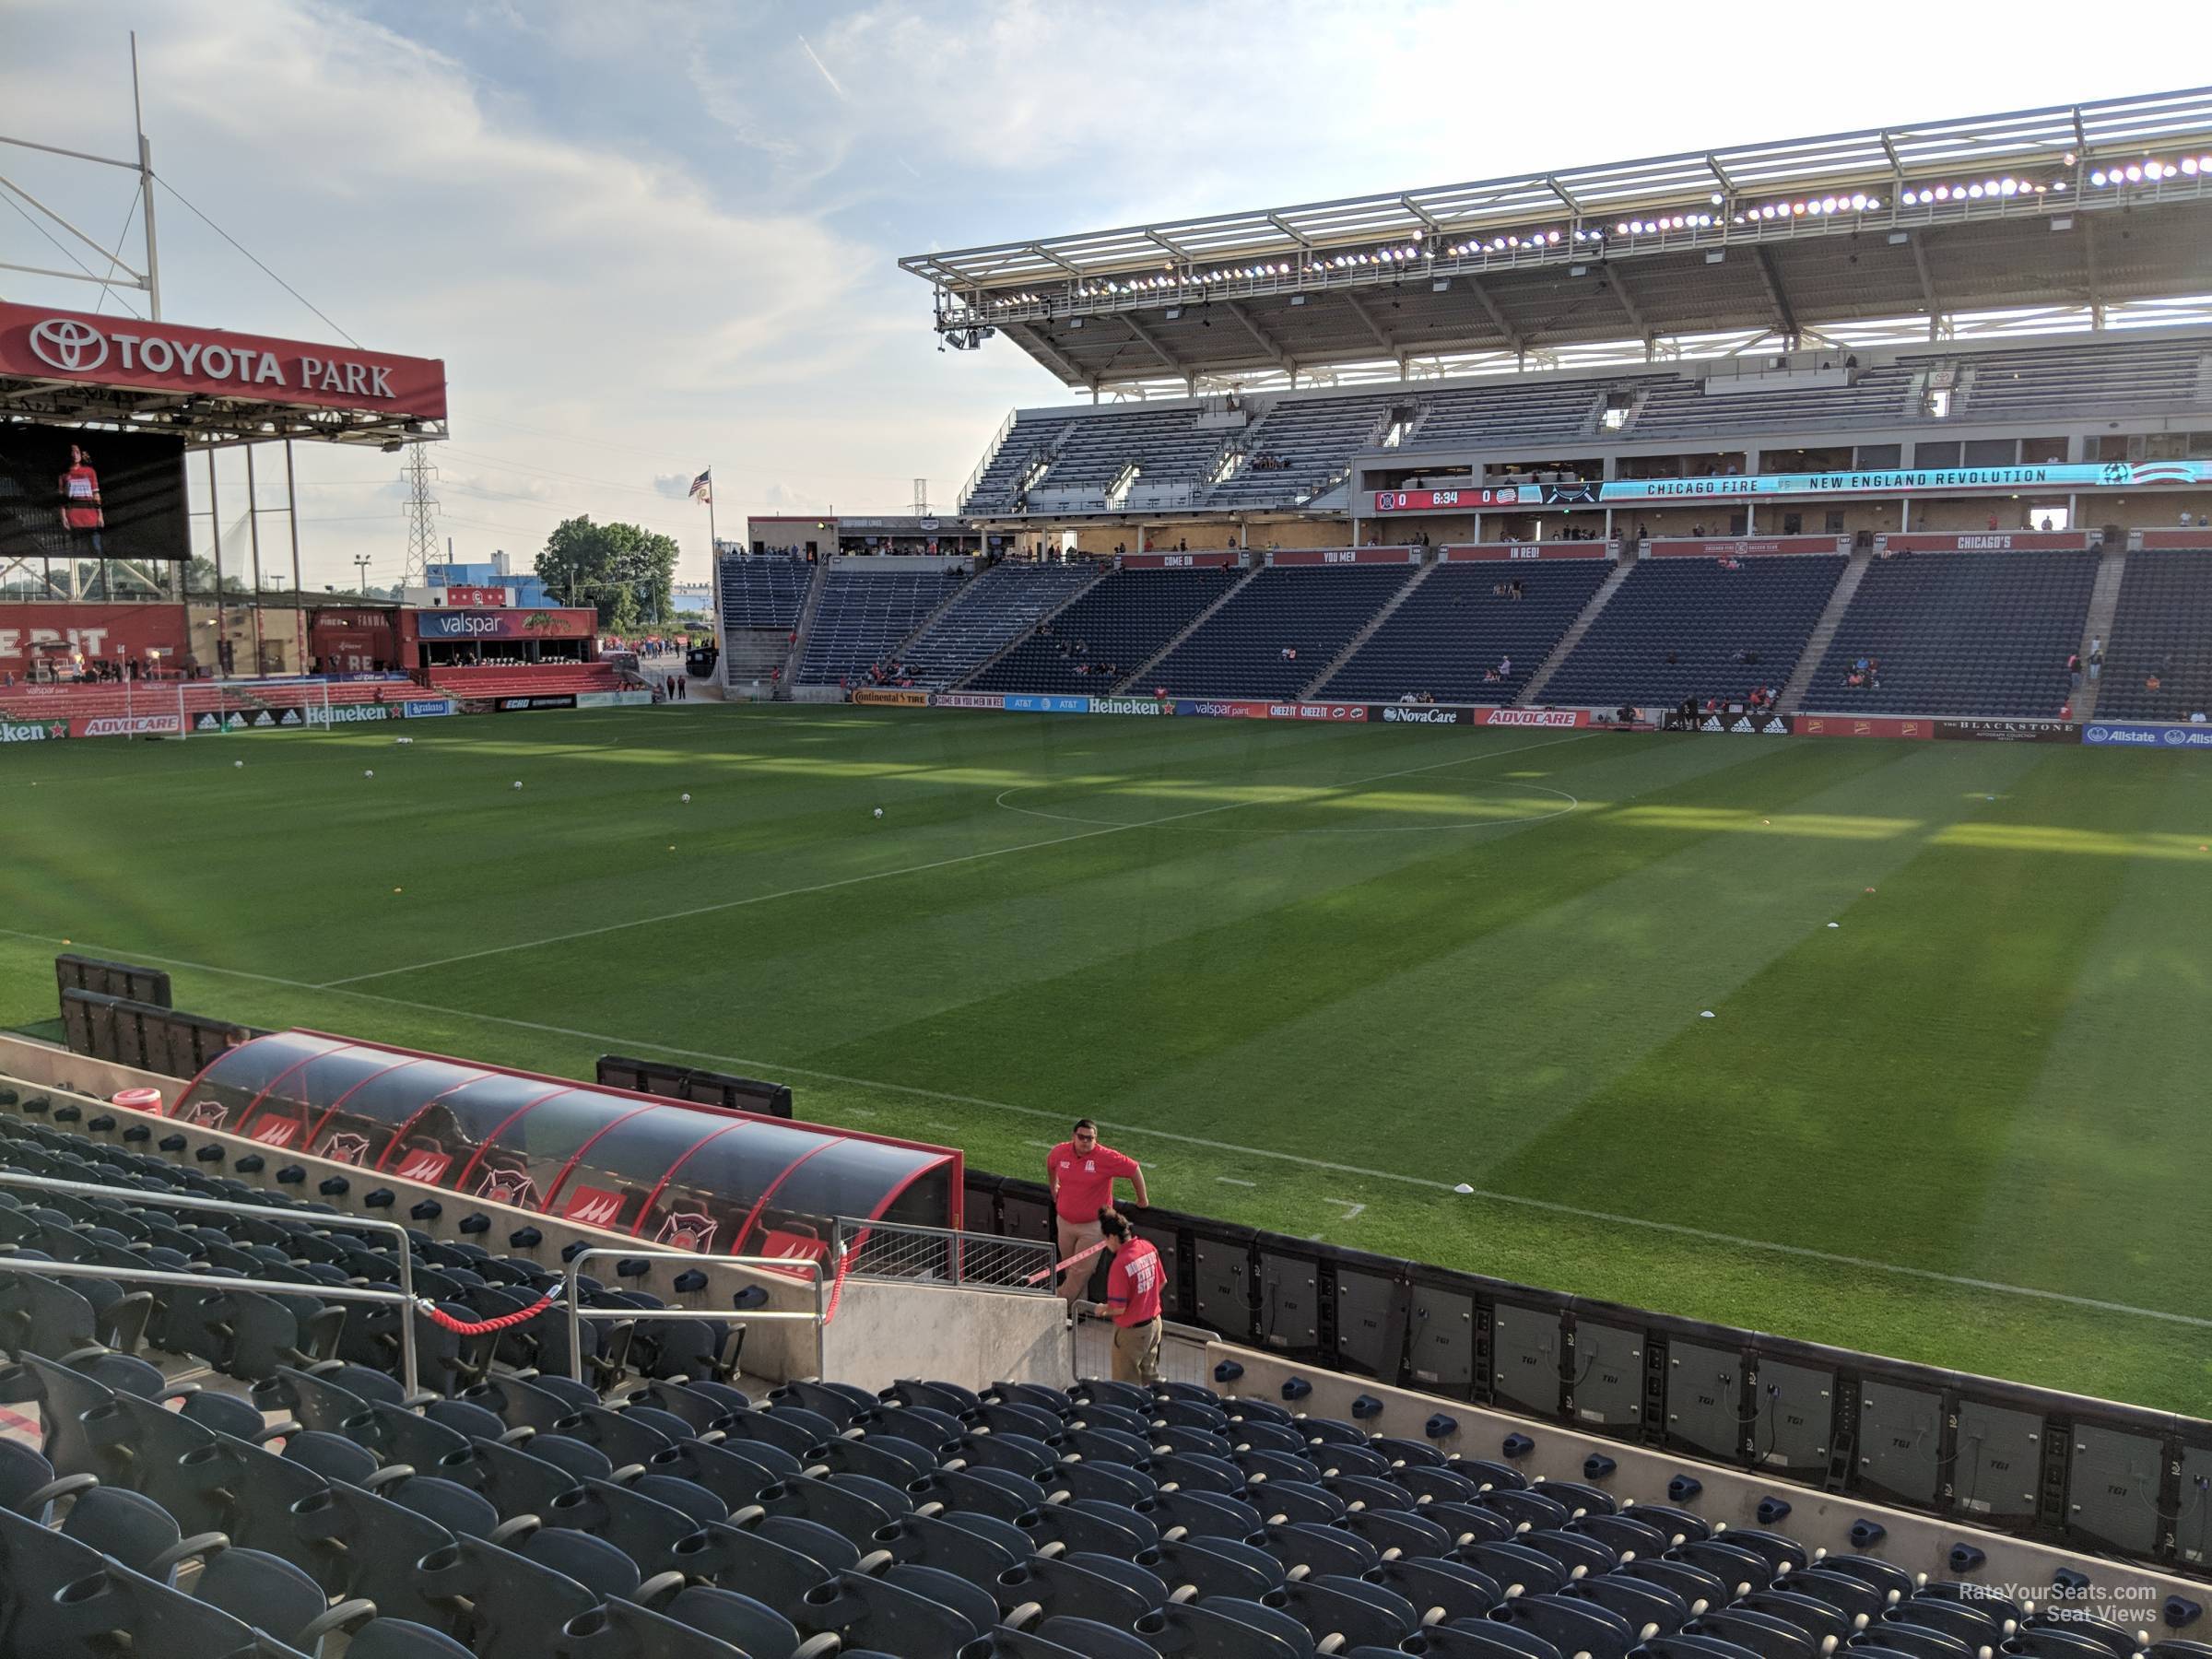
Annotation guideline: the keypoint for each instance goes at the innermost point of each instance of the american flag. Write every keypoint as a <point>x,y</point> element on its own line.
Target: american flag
<point>702,487</point>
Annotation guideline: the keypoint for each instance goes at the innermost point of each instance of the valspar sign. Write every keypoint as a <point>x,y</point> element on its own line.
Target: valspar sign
<point>41,344</point>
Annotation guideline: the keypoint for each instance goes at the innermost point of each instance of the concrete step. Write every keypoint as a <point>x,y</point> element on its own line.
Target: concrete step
<point>1824,630</point>
<point>1550,665</point>
<point>2097,626</point>
<point>1197,622</point>
<point>1351,649</point>
<point>1032,627</point>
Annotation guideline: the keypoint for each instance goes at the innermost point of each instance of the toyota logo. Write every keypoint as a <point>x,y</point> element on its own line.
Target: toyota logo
<point>71,346</point>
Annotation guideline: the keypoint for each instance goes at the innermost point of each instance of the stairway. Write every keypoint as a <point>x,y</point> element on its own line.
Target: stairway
<point>2104,600</point>
<point>815,590</point>
<point>1049,615</point>
<point>1313,690</point>
<point>1573,636</point>
<point>750,655</point>
<point>923,626</point>
<point>1199,621</point>
<point>1824,631</point>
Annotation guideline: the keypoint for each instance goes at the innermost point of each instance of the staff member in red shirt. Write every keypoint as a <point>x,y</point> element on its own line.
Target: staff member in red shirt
<point>1081,1173</point>
<point>1132,1302</point>
<point>83,515</point>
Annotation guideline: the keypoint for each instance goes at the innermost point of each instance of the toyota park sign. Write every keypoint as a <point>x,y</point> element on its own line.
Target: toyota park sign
<point>41,344</point>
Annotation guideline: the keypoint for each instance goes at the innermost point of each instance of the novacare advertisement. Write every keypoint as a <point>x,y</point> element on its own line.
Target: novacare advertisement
<point>2135,734</point>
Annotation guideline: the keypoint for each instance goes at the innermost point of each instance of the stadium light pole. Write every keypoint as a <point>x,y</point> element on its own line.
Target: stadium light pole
<point>360,565</point>
<point>145,189</point>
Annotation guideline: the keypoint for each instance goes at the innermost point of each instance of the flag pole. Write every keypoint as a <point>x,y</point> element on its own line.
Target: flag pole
<point>713,546</point>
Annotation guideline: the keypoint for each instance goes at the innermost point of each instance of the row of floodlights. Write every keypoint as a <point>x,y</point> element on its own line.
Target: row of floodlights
<point>2142,172</point>
<point>1808,208</point>
<point>1983,189</point>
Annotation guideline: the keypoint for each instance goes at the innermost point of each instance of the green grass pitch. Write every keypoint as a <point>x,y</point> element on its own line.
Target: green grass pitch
<point>1315,978</point>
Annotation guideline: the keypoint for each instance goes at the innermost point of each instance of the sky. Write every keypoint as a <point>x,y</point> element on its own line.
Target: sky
<point>653,237</point>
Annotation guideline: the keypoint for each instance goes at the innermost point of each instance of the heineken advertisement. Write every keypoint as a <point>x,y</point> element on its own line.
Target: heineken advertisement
<point>348,714</point>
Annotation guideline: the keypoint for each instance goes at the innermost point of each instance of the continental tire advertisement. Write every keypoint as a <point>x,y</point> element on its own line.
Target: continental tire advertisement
<point>886,698</point>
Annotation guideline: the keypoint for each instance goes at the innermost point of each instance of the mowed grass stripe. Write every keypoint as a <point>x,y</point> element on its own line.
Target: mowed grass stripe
<point>274,875</point>
<point>1480,1049</point>
<point>1874,1073</point>
<point>1131,1022</point>
<point>2106,1144</point>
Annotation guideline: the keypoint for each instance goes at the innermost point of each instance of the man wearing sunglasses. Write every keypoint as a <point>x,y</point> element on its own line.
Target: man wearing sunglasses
<point>1081,1173</point>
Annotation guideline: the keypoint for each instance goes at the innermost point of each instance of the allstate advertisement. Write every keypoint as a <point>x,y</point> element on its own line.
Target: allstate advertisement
<point>2144,733</point>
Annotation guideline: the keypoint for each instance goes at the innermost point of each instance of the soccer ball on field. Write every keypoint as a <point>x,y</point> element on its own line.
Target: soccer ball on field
<point>879,812</point>
<point>368,774</point>
<point>238,762</point>
<point>518,782</point>
<point>686,800</point>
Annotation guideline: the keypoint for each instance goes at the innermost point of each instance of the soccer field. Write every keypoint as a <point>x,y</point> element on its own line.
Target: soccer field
<point>1949,1104</point>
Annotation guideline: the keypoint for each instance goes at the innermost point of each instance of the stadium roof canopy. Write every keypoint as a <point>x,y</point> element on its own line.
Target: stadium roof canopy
<point>2064,218</point>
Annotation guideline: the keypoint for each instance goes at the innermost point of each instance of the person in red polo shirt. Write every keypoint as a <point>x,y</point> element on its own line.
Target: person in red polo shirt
<point>1133,1285</point>
<point>1081,1173</point>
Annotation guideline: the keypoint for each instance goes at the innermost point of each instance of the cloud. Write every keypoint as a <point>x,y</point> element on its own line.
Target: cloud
<point>815,58</point>
<point>427,210</point>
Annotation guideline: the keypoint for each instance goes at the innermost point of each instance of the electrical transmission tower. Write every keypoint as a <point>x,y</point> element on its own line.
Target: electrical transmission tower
<point>422,515</point>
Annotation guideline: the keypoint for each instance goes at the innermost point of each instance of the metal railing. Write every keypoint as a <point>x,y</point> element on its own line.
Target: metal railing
<point>142,1199</point>
<point>786,1265</point>
<point>888,1250</point>
<point>151,1275</point>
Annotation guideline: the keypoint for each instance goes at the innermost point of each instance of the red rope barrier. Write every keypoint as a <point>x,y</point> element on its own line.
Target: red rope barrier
<point>505,1322</point>
<point>844,1263</point>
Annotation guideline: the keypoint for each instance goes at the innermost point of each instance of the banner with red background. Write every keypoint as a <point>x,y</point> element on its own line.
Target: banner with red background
<point>39,343</point>
<point>1343,556</point>
<point>111,633</point>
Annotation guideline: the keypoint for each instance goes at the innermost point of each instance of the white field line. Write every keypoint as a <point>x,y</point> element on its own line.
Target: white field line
<point>1138,1131</point>
<point>939,863</point>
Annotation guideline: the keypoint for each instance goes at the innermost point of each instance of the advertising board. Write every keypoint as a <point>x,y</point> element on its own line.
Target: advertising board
<point>2147,734</point>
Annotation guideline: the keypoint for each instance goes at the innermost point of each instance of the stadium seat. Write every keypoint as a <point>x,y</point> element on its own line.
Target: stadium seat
<point>1960,633</point>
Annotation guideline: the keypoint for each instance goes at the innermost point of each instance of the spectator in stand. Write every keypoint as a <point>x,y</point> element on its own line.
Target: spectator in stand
<point>1134,1281</point>
<point>1081,1174</point>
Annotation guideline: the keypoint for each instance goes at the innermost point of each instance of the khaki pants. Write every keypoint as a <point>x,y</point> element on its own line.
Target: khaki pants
<point>1075,1236</point>
<point>1137,1352</point>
